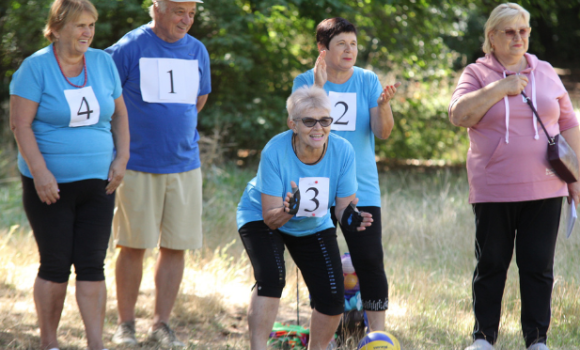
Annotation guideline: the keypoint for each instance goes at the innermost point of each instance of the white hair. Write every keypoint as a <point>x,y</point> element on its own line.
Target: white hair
<point>161,4</point>
<point>503,14</point>
<point>306,98</point>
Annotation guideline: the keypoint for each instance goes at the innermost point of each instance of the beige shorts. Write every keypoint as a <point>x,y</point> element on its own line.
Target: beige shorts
<point>159,210</point>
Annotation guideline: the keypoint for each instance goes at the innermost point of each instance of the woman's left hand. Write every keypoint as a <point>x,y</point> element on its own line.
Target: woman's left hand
<point>116,174</point>
<point>574,192</point>
<point>388,93</point>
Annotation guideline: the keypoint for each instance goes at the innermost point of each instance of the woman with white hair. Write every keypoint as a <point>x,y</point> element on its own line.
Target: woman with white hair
<point>302,172</point>
<point>515,194</point>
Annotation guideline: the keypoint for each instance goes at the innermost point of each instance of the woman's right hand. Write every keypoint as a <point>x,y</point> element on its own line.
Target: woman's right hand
<point>320,76</point>
<point>514,84</point>
<point>46,187</point>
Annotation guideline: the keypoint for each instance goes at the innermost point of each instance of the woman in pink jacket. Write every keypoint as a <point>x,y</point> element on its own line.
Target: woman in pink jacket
<point>515,194</point>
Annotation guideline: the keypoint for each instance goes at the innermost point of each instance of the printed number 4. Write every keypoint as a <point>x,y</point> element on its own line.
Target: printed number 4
<point>345,110</point>
<point>88,111</point>
<point>313,199</point>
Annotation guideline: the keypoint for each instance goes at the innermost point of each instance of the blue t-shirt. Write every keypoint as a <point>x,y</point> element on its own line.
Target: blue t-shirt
<point>163,127</point>
<point>75,141</point>
<point>368,89</point>
<point>279,165</point>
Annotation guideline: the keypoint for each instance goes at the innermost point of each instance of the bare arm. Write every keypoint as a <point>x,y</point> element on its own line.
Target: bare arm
<point>201,100</point>
<point>572,136</point>
<point>22,113</point>
<point>382,121</point>
<point>120,130</point>
<point>274,211</point>
<point>342,203</point>
<point>471,107</point>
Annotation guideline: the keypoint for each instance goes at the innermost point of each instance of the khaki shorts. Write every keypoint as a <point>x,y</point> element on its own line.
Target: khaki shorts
<point>159,210</point>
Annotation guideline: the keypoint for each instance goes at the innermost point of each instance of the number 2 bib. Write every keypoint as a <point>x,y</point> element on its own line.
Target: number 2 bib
<point>169,80</point>
<point>343,110</point>
<point>84,107</point>
<point>313,196</point>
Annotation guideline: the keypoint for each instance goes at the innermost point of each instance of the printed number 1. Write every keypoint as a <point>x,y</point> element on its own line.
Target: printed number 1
<point>88,110</point>
<point>171,77</point>
<point>345,109</point>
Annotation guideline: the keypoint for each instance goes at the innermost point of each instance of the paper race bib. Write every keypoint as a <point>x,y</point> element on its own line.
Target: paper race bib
<point>84,107</point>
<point>169,80</point>
<point>343,110</point>
<point>313,196</point>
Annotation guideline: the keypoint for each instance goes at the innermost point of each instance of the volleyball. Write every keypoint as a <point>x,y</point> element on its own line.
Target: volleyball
<point>379,341</point>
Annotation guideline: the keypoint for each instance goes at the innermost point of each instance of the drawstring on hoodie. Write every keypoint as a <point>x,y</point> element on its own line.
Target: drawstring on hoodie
<point>507,110</point>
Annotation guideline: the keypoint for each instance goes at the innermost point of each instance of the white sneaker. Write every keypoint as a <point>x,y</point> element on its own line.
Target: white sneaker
<point>480,344</point>
<point>125,334</point>
<point>165,336</point>
<point>538,346</point>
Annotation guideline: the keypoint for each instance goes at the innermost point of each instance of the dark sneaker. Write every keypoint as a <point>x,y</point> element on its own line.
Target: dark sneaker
<point>125,334</point>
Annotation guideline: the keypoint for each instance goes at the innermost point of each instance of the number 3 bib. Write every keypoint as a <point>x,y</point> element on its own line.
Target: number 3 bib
<point>169,80</point>
<point>84,107</point>
<point>343,110</point>
<point>313,196</point>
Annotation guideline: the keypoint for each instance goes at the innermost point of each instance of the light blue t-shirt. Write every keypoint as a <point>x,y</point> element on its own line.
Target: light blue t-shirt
<point>279,165</point>
<point>75,141</point>
<point>163,135</point>
<point>368,89</point>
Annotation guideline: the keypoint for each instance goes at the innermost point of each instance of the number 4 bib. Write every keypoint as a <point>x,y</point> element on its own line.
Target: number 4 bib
<point>343,110</point>
<point>84,107</point>
<point>313,196</point>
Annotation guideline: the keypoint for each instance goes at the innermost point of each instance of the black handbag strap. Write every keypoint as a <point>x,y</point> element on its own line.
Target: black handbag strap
<point>529,102</point>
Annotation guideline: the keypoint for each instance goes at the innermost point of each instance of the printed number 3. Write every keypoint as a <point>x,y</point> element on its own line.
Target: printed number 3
<point>88,111</point>
<point>313,199</point>
<point>345,110</point>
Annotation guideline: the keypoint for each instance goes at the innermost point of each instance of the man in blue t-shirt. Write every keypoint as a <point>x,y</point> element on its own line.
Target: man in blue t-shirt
<point>165,75</point>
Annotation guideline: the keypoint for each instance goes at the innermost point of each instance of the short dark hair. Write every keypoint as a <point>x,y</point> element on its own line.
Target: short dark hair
<point>331,27</point>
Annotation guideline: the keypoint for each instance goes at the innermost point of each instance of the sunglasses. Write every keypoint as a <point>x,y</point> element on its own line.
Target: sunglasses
<point>523,32</point>
<point>310,122</point>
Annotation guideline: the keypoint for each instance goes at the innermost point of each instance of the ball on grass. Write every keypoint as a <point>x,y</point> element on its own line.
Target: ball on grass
<point>379,341</point>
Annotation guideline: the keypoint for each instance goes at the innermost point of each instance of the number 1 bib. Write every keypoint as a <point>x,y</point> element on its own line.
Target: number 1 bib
<point>343,110</point>
<point>169,80</point>
<point>313,196</point>
<point>84,107</point>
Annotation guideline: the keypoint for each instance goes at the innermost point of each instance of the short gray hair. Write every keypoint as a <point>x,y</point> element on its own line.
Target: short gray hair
<point>504,13</point>
<point>306,98</point>
<point>162,7</point>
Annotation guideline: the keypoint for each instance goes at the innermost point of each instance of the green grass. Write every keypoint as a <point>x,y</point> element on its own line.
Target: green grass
<point>428,234</point>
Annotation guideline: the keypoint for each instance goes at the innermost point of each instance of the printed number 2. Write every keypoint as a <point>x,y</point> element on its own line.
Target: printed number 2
<point>345,110</point>
<point>87,111</point>
<point>171,77</point>
<point>313,199</point>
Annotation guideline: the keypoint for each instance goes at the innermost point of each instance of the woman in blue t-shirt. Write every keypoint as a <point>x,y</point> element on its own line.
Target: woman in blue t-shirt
<point>302,172</point>
<point>361,111</point>
<point>70,122</point>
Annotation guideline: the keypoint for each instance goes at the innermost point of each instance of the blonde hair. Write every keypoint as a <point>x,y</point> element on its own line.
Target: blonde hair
<point>63,11</point>
<point>162,5</point>
<point>306,98</point>
<point>504,13</point>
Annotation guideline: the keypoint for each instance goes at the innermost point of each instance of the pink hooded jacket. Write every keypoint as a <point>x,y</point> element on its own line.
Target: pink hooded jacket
<point>507,157</point>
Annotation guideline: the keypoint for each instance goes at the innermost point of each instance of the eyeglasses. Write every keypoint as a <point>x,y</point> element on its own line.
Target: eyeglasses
<point>310,122</point>
<point>523,32</point>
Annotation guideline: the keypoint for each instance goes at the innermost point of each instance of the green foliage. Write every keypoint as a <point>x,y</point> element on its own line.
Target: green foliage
<point>257,47</point>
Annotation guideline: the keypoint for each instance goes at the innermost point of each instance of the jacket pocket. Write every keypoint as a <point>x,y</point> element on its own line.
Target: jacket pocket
<point>522,160</point>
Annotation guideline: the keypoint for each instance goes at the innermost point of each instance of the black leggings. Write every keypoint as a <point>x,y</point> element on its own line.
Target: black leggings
<point>532,227</point>
<point>316,255</point>
<point>366,252</point>
<point>73,231</point>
